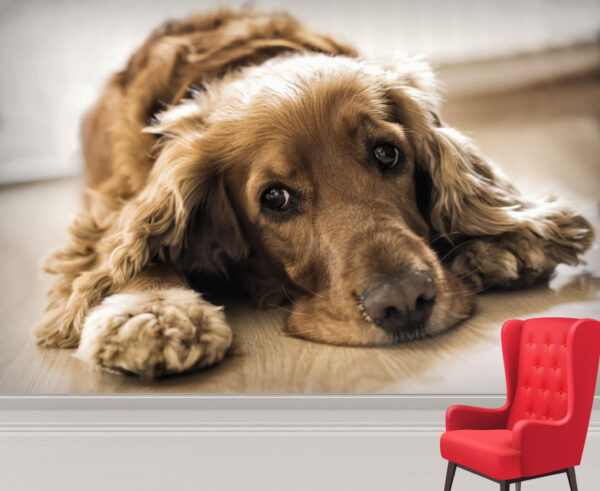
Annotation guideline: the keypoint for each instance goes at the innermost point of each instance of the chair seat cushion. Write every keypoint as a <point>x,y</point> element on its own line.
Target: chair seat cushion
<point>489,452</point>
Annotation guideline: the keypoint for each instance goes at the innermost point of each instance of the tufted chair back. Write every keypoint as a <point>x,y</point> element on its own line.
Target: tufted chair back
<point>551,367</point>
<point>542,387</point>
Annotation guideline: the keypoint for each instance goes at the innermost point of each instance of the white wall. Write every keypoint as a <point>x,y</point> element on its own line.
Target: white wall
<point>55,55</point>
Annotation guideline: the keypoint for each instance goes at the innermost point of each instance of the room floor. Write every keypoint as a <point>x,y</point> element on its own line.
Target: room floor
<point>546,138</point>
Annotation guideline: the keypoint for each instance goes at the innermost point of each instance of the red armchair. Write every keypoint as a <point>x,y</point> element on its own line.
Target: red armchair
<point>551,366</point>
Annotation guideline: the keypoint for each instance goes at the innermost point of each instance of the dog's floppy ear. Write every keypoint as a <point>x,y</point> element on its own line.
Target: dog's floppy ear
<point>467,196</point>
<point>183,215</point>
<point>470,196</point>
<point>184,193</point>
<point>214,238</point>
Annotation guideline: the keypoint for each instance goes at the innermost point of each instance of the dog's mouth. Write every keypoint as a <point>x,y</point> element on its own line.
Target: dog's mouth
<point>414,331</point>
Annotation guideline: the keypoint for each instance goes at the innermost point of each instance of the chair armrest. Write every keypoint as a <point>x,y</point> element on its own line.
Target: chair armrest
<point>476,418</point>
<point>530,432</point>
<point>546,443</point>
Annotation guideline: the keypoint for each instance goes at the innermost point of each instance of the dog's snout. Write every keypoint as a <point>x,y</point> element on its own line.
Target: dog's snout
<point>401,301</point>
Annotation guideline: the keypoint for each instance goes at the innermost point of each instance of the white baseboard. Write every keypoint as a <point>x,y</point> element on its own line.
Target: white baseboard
<point>268,402</point>
<point>220,422</point>
<point>227,422</point>
<point>293,450</point>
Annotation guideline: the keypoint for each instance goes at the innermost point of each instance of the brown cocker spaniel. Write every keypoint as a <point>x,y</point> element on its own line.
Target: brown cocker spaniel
<point>247,152</point>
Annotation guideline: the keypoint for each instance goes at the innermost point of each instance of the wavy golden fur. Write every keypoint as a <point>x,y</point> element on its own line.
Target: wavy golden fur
<point>213,110</point>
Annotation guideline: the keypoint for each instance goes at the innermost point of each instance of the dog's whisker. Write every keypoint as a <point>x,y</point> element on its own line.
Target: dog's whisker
<point>466,275</point>
<point>435,238</point>
<point>286,293</point>
<point>456,247</point>
<point>295,312</point>
<point>314,293</point>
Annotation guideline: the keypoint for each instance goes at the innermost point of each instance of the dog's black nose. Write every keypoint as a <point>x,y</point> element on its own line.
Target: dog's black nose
<point>401,301</point>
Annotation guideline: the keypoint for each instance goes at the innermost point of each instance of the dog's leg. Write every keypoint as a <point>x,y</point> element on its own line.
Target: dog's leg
<point>507,262</point>
<point>519,259</point>
<point>155,326</point>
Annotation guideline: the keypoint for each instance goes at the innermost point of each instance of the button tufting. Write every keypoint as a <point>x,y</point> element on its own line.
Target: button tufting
<point>545,390</point>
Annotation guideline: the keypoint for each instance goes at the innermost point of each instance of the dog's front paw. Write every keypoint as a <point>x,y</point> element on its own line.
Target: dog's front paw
<point>155,333</point>
<point>510,261</point>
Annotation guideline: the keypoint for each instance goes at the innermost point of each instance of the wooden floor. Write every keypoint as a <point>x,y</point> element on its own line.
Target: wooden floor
<point>546,139</point>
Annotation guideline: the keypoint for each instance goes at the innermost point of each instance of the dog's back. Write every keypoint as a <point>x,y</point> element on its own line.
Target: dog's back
<point>178,56</point>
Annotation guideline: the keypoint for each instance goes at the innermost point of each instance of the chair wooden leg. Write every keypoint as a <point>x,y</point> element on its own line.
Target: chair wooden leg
<point>518,486</point>
<point>450,475</point>
<point>572,478</point>
<point>504,485</point>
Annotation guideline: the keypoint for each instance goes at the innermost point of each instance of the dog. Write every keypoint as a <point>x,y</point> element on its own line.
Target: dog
<point>244,152</point>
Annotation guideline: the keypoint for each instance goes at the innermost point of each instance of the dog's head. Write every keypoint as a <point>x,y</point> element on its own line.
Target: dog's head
<point>327,176</point>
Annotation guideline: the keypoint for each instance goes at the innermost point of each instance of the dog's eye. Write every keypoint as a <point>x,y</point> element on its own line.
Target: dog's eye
<point>277,199</point>
<point>386,155</point>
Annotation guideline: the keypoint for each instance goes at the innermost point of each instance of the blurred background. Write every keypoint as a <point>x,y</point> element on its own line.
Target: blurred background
<point>56,54</point>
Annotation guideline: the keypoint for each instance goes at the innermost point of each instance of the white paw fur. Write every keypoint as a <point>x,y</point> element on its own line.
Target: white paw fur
<point>155,333</point>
